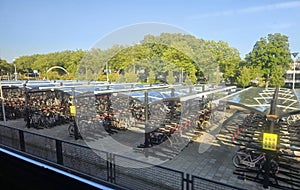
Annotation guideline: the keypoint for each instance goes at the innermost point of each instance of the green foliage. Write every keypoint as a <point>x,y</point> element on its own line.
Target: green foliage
<point>227,59</point>
<point>206,55</point>
<point>53,75</point>
<point>270,55</point>
<point>170,78</point>
<point>5,67</point>
<point>277,78</point>
<point>66,59</point>
<point>112,77</point>
<point>151,78</point>
<point>154,55</point>
<point>130,76</point>
<point>245,77</point>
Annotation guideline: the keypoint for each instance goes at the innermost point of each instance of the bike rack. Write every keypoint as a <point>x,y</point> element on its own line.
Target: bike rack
<point>288,176</point>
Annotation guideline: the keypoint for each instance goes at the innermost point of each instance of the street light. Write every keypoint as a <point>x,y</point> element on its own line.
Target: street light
<point>16,74</point>
<point>107,79</point>
<point>294,73</point>
<point>2,103</point>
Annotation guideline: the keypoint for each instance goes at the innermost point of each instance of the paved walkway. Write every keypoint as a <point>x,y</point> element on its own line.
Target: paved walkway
<point>206,156</point>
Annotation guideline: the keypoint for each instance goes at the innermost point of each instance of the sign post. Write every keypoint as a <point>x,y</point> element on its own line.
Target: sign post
<point>269,141</point>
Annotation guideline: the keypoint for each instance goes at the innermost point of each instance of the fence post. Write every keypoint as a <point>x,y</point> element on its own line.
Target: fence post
<point>59,154</point>
<point>27,111</point>
<point>146,106</point>
<point>111,167</point>
<point>172,92</point>
<point>187,183</point>
<point>22,141</point>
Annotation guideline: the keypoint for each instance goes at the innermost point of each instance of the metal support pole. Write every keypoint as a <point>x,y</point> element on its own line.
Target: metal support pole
<point>172,92</point>
<point>59,153</point>
<point>16,74</point>
<point>294,75</point>
<point>267,165</point>
<point>2,102</point>
<point>266,168</point>
<point>146,107</point>
<point>27,111</point>
<point>21,140</point>
<point>76,131</point>
<point>190,89</point>
<point>107,79</point>
<point>294,69</point>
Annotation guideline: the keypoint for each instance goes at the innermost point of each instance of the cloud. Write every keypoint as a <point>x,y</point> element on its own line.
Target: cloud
<point>250,10</point>
<point>272,7</point>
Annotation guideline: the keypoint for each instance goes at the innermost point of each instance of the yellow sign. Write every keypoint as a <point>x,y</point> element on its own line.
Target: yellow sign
<point>73,110</point>
<point>270,141</point>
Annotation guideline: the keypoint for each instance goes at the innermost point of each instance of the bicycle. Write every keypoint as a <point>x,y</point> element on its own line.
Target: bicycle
<point>247,158</point>
<point>292,119</point>
<point>71,130</point>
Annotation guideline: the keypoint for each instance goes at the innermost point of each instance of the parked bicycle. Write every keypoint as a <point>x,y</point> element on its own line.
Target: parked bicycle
<point>249,158</point>
<point>71,130</point>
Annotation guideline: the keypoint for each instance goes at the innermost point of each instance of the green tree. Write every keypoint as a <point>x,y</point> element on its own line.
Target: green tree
<point>152,56</point>
<point>270,53</point>
<point>277,78</point>
<point>227,58</point>
<point>5,67</point>
<point>130,76</point>
<point>197,58</point>
<point>245,77</point>
<point>170,78</point>
<point>151,77</point>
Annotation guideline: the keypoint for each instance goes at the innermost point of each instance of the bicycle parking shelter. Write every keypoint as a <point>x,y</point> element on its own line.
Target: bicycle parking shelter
<point>270,136</point>
<point>265,136</point>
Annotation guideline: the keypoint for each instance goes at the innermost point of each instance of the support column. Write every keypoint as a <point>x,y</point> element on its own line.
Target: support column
<point>76,131</point>
<point>146,106</point>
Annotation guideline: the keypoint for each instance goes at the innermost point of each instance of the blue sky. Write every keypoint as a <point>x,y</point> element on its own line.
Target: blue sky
<point>43,26</point>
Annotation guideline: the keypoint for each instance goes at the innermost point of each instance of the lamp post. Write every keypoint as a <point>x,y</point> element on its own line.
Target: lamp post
<point>294,73</point>
<point>16,74</point>
<point>2,103</point>
<point>107,79</point>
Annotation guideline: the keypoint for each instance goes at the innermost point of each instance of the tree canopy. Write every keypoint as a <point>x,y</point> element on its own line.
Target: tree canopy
<point>166,57</point>
<point>271,57</point>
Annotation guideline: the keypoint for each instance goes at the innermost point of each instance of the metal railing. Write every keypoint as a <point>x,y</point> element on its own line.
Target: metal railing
<point>100,165</point>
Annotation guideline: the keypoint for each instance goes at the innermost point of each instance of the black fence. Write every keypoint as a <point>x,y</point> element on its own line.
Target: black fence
<point>101,166</point>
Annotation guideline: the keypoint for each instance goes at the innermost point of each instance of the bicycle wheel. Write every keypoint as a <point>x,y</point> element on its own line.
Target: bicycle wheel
<point>237,158</point>
<point>71,130</point>
<point>291,119</point>
<point>205,124</point>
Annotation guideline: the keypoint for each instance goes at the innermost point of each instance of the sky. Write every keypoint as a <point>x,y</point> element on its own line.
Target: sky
<point>43,26</point>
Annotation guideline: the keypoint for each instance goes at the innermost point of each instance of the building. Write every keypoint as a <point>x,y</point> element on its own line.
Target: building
<point>289,75</point>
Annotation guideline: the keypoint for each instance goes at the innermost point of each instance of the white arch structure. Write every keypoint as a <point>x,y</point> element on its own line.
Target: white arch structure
<point>56,67</point>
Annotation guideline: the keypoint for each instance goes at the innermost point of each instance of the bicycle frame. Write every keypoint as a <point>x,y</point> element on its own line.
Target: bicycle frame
<point>248,160</point>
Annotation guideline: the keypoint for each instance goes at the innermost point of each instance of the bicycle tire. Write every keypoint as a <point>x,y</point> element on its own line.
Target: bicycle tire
<point>71,130</point>
<point>237,162</point>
